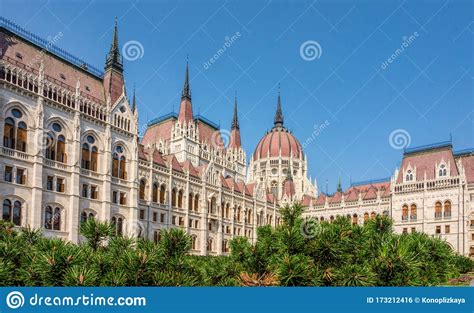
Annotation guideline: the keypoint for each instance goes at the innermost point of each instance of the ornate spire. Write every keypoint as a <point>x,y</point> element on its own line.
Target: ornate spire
<point>134,103</point>
<point>235,119</point>
<point>339,186</point>
<point>279,114</point>
<point>186,94</point>
<point>114,59</point>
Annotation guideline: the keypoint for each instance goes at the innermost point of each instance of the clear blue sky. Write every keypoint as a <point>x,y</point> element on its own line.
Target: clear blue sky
<point>427,90</point>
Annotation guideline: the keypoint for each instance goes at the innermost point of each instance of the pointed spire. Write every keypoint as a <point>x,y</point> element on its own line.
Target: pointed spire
<point>339,186</point>
<point>185,108</point>
<point>186,94</point>
<point>134,103</point>
<point>114,60</point>
<point>235,119</point>
<point>278,122</point>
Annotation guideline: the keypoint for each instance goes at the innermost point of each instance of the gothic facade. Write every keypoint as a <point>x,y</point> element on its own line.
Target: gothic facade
<point>71,151</point>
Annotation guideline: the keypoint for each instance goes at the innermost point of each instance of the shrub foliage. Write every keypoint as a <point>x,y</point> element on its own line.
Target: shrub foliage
<point>297,253</point>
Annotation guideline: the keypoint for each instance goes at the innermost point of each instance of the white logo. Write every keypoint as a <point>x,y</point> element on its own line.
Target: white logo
<point>133,50</point>
<point>310,228</point>
<point>15,300</point>
<point>399,139</point>
<point>310,50</point>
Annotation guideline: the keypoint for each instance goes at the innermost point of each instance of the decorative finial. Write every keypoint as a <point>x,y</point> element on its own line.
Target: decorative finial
<point>339,186</point>
<point>235,119</point>
<point>134,104</point>
<point>278,122</point>
<point>114,59</point>
<point>186,94</point>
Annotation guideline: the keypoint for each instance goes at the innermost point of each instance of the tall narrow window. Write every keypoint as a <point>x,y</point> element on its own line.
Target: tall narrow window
<point>196,203</point>
<point>413,212</point>
<point>15,131</point>
<point>52,218</point>
<point>89,155</point>
<point>7,210</point>
<point>155,193</point>
<point>447,209</point>
<point>8,174</point>
<point>405,213</point>
<point>142,190</point>
<point>438,210</point>
<point>119,163</point>
<point>162,194</point>
<point>56,144</point>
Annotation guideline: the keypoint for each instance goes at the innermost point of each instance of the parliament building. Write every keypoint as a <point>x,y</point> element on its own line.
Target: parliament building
<point>72,151</point>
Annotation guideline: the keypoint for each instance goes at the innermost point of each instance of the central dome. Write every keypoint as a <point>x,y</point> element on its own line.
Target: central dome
<point>279,141</point>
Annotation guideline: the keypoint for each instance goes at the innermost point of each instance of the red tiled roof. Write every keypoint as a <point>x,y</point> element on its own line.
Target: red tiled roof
<point>158,131</point>
<point>321,199</point>
<point>276,141</point>
<point>54,67</point>
<point>370,194</point>
<point>468,164</point>
<point>426,161</point>
<point>210,135</point>
<point>307,200</point>
<point>141,153</point>
<point>188,166</point>
<point>336,198</point>
<point>352,195</point>
<point>158,158</point>
<point>249,188</point>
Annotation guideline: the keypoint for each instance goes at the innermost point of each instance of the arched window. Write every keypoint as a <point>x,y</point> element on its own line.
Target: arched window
<point>413,212</point>
<point>209,244</point>
<point>196,202</point>
<point>274,189</point>
<point>119,163</point>
<point>156,236</point>
<point>173,197</point>
<point>52,218</point>
<point>56,144</point>
<point>180,199</point>
<point>405,213</point>
<point>355,219</point>
<point>155,193</point>
<point>142,189</point>
<point>15,131</point>
<point>12,213</point>
<point>447,209</point>
<point>438,210</point>
<point>118,224</point>
<point>373,215</point>
<point>409,176</point>
<point>213,205</point>
<point>442,170</point>
<point>190,201</point>
<point>162,194</point>
<point>238,214</point>
<point>331,218</point>
<point>194,242</point>
<point>225,246</point>
<point>85,215</point>
<point>89,154</point>
<point>366,217</point>
<point>16,216</point>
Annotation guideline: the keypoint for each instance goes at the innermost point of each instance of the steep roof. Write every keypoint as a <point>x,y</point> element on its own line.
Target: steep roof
<point>425,159</point>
